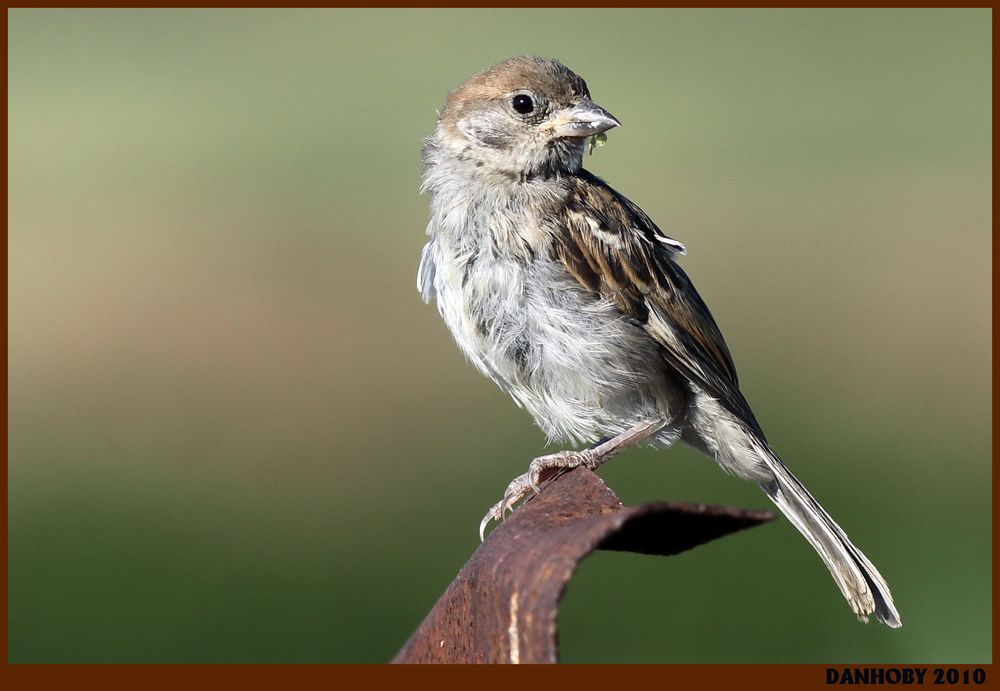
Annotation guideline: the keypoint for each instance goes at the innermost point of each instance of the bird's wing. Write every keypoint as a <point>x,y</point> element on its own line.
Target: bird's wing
<point>613,249</point>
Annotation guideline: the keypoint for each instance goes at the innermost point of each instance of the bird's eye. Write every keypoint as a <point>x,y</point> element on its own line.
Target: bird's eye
<point>523,104</point>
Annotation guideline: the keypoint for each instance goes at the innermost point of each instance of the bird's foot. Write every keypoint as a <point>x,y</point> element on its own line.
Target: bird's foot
<point>547,466</point>
<point>541,468</point>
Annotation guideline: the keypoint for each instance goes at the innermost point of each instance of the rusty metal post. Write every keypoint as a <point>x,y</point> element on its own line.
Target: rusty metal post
<point>502,606</point>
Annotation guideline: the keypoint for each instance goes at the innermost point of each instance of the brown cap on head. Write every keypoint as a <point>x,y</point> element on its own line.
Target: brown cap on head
<point>523,73</point>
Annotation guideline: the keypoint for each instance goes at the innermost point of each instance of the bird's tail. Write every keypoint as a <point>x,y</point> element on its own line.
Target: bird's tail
<point>857,578</point>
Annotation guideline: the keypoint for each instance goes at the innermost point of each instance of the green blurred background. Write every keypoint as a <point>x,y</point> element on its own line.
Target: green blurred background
<point>236,434</point>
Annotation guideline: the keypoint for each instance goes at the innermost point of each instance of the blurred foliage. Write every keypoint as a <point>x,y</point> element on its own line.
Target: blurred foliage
<point>236,434</point>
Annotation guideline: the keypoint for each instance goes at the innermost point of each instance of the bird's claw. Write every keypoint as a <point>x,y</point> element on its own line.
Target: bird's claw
<point>490,515</point>
<point>519,488</point>
<point>534,476</point>
<point>523,485</point>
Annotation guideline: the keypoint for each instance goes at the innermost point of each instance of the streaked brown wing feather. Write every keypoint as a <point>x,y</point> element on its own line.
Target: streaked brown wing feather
<point>613,249</point>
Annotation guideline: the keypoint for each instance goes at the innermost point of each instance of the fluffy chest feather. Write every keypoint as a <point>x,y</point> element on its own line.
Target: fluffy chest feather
<point>570,357</point>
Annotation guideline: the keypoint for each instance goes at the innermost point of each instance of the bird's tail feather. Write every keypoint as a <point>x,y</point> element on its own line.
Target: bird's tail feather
<point>855,575</point>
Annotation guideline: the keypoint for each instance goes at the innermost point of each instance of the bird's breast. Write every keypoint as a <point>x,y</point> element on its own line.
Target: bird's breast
<point>580,367</point>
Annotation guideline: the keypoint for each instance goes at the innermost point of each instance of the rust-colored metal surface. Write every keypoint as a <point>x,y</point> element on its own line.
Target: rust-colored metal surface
<point>502,606</point>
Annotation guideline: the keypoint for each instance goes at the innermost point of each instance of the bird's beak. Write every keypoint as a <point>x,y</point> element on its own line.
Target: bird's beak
<point>584,119</point>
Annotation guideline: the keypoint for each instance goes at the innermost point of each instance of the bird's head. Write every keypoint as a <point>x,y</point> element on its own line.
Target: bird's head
<point>526,116</point>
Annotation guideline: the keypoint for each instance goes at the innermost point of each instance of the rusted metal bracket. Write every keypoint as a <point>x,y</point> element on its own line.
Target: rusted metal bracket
<point>502,606</point>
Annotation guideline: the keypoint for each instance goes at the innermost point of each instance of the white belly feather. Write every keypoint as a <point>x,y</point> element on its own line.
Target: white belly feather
<point>572,360</point>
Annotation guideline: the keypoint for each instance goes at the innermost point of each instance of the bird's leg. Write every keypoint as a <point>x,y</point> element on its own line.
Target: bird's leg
<point>591,458</point>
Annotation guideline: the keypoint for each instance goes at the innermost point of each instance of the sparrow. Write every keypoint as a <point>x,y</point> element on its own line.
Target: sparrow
<point>571,299</point>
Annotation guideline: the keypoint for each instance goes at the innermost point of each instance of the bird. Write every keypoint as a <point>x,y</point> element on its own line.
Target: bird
<point>573,301</point>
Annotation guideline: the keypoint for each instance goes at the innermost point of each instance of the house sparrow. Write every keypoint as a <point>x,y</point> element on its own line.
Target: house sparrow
<point>569,297</point>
